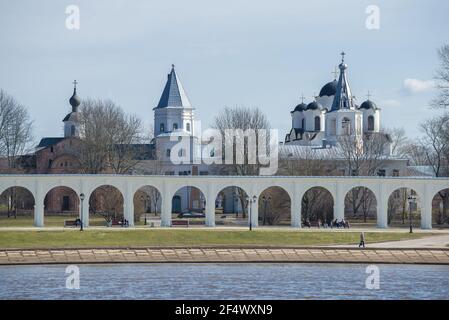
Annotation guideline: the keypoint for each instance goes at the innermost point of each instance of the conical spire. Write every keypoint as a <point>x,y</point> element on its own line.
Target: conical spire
<point>173,94</point>
<point>343,97</point>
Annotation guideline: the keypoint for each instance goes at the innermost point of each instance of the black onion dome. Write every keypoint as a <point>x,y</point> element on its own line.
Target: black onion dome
<point>368,104</point>
<point>329,89</point>
<point>300,107</point>
<point>75,101</point>
<point>313,106</point>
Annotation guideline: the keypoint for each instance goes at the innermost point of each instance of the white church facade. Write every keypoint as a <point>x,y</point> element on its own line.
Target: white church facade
<point>333,114</point>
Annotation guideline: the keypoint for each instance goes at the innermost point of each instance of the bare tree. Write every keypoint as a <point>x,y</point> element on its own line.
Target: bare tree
<point>362,157</point>
<point>399,142</point>
<point>15,130</point>
<point>435,146</point>
<point>111,140</point>
<point>245,119</point>
<point>435,143</point>
<point>442,79</point>
<point>15,141</point>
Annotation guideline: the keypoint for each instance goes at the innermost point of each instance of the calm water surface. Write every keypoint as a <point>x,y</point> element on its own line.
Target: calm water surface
<point>225,281</point>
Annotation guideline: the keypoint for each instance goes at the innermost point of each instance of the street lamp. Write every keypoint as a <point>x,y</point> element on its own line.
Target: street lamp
<point>265,200</point>
<point>235,205</point>
<point>144,206</point>
<point>250,202</point>
<point>82,207</point>
<point>411,201</point>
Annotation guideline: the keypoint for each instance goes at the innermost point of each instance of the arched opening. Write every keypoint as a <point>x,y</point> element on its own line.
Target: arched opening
<point>361,206</point>
<point>303,124</point>
<point>188,126</point>
<point>402,210</point>
<point>274,207</point>
<point>231,207</point>
<point>440,208</point>
<point>16,207</point>
<point>370,123</point>
<point>189,202</point>
<point>317,207</point>
<point>147,205</point>
<point>106,202</point>
<point>317,123</point>
<point>175,126</point>
<point>346,126</point>
<point>60,203</point>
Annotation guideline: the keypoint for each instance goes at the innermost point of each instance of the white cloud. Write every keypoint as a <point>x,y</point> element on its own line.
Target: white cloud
<point>389,103</point>
<point>412,86</point>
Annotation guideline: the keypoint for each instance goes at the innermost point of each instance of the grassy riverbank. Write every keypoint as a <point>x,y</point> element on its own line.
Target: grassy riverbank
<point>192,237</point>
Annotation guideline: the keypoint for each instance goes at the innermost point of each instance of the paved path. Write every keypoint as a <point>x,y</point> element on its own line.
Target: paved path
<point>439,241</point>
<point>435,241</point>
<point>224,255</point>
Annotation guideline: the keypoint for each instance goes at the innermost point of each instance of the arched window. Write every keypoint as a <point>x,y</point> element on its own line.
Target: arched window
<point>162,127</point>
<point>370,123</point>
<point>72,130</point>
<point>188,126</point>
<point>346,126</point>
<point>317,123</point>
<point>303,124</point>
<point>168,152</point>
<point>175,126</point>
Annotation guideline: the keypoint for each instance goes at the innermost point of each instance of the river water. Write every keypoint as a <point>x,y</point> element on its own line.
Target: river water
<point>224,281</point>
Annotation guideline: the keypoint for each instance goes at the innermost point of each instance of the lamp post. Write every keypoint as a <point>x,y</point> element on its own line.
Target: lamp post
<point>82,213</point>
<point>411,201</point>
<point>265,200</point>
<point>236,202</point>
<point>145,207</point>
<point>251,200</point>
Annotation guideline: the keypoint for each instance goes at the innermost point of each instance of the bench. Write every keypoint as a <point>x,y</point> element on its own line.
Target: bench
<point>180,223</point>
<point>71,223</point>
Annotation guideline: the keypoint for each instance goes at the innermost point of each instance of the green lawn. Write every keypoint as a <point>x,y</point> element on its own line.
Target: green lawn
<point>170,237</point>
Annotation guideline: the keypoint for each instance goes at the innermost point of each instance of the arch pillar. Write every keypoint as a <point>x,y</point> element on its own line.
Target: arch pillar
<point>339,203</point>
<point>426,209</point>
<point>210,206</point>
<point>166,207</point>
<point>38,206</point>
<point>296,201</point>
<point>128,205</point>
<point>84,212</point>
<point>382,206</point>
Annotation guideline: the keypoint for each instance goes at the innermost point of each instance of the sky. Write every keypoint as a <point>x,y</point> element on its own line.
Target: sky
<point>231,53</point>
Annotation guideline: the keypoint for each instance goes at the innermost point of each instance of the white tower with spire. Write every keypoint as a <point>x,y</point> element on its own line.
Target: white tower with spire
<point>344,118</point>
<point>174,120</point>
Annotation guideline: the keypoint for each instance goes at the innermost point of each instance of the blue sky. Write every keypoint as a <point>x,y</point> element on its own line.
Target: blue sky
<point>228,53</point>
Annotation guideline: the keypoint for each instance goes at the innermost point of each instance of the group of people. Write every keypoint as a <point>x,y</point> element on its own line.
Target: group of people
<point>331,224</point>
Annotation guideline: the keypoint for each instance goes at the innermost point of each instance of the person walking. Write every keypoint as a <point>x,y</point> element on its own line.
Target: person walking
<point>362,240</point>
